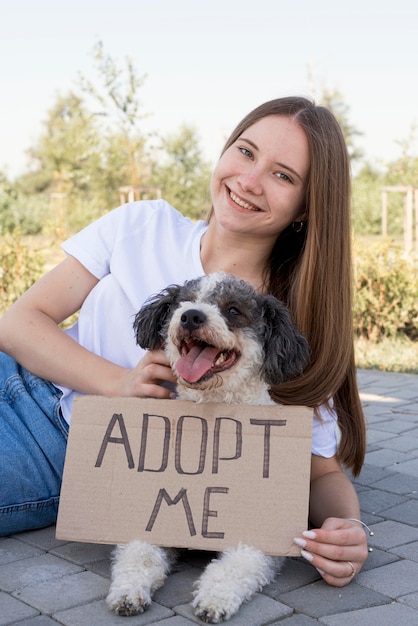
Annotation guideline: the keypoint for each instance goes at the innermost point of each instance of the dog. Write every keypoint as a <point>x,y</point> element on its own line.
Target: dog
<point>226,343</point>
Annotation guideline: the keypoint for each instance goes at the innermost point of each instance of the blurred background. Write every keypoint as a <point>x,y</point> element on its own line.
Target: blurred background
<point>104,102</point>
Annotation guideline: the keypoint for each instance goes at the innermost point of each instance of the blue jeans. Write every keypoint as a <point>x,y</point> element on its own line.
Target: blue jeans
<point>33,439</point>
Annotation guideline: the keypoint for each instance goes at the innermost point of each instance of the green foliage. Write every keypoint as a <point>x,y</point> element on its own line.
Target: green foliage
<point>386,294</point>
<point>367,202</point>
<point>93,144</point>
<point>119,116</point>
<point>20,267</point>
<point>19,211</point>
<point>333,100</point>
<point>183,175</point>
<point>67,151</point>
<point>390,354</point>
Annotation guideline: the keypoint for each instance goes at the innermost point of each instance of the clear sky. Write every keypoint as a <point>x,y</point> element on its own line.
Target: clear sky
<point>210,62</point>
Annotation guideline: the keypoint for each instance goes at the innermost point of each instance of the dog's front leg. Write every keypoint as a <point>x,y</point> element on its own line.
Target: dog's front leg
<point>230,580</point>
<point>138,569</point>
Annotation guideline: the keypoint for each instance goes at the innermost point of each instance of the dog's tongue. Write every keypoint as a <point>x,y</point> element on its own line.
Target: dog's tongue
<point>196,362</point>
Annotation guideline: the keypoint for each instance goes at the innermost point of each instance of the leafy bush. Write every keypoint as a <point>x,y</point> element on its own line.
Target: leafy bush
<point>27,214</point>
<point>386,292</point>
<point>20,267</point>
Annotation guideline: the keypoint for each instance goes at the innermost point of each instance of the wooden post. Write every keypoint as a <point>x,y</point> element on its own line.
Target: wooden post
<point>410,203</point>
<point>408,229</point>
<point>384,213</point>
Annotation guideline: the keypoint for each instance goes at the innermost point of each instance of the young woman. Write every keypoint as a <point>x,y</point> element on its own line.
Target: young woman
<point>281,221</point>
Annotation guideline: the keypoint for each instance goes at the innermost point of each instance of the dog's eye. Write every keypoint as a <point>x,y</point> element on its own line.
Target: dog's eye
<point>233,311</point>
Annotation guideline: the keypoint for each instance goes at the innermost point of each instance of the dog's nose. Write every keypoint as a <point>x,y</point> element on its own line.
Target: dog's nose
<point>192,319</point>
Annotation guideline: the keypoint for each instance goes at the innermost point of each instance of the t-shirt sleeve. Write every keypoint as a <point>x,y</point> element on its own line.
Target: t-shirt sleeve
<point>93,245</point>
<point>326,432</point>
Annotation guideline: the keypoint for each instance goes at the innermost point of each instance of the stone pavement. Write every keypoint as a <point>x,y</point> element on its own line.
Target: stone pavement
<point>45,582</point>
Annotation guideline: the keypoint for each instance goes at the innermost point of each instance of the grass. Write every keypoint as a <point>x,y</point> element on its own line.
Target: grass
<point>390,355</point>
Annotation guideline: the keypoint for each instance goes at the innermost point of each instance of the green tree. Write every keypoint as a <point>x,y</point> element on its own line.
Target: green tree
<point>67,165</point>
<point>183,174</point>
<point>334,101</point>
<point>66,154</point>
<point>19,211</point>
<point>367,201</point>
<point>115,99</point>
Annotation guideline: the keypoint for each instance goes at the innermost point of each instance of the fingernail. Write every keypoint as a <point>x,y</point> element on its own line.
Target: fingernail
<point>309,534</point>
<point>307,555</point>
<point>300,542</point>
<point>320,571</point>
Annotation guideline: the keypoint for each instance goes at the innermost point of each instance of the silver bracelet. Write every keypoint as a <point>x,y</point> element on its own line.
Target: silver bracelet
<point>371,533</point>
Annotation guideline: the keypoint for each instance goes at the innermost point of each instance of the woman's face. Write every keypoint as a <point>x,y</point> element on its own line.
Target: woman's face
<point>258,186</point>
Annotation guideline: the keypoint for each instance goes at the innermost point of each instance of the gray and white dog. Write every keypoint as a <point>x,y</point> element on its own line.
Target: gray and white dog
<point>226,343</point>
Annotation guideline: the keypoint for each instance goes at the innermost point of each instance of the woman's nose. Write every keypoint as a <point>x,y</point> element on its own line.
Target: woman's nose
<point>250,181</point>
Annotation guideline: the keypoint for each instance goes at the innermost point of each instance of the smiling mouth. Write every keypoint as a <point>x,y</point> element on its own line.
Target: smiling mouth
<point>242,203</point>
<point>200,361</point>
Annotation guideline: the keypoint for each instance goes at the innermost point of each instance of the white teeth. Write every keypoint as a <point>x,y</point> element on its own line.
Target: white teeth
<point>220,359</point>
<point>245,205</point>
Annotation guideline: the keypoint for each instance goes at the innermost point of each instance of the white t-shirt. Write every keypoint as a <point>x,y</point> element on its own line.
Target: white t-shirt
<point>136,251</point>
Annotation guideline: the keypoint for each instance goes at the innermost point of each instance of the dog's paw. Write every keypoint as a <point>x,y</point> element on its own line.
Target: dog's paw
<point>127,603</point>
<point>209,615</point>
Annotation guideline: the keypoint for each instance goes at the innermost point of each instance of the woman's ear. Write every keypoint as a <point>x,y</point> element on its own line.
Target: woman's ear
<point>302,216</point>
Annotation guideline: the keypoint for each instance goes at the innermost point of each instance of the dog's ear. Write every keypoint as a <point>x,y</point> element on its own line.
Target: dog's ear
<point>151,320</point>
<point>286,350</point>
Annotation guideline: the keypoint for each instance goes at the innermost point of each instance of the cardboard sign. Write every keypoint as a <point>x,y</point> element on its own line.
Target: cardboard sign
<point>187,475</point>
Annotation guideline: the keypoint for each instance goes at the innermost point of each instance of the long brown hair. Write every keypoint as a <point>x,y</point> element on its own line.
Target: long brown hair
<point>311,271</point>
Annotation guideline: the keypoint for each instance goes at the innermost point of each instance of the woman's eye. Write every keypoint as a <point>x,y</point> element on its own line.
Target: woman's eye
<point>284,177</point>
<point>245,151</point>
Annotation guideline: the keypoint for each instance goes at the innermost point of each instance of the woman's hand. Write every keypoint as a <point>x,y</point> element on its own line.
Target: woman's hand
<point>338,549</point>
<point>146,379</point>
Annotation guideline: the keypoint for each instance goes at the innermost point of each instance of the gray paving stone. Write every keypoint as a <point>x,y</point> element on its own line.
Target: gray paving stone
<point>177,588</point>
<point>12,607</point>
<point>375,436</point>
<point>102,568</point>
<point>411,600</point>
<point>371,474</point>
<point>408,551</point>
<point>43,538</point>
<point>394,580</point>
<point>397,426</point>
<point>260,611</point>
<point>97,614</point>
<point>406,512</point>
<point>65,592</point>
<point>389,458</point>
<point>377,558</point>
<point>34,570</point>
<point>12,550</point>
<point>177,620</point>
<point>316,599</point>
<point>295,573</point>
<point>389,534</point>
<point>405,443</point>
<point>408,467</point>
<point>40,620</point>
<point>83,553</point>
<point>297,620</point>
<point>375,500</point>
<point>398,483</point>
<point>376,616</point>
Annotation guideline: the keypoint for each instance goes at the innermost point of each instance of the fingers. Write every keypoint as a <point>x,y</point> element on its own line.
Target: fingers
<point>337,550</point>
<point>154,367</point>
<point>152,377</point>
